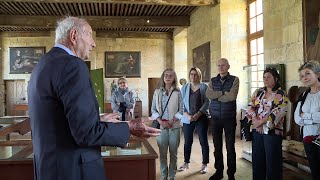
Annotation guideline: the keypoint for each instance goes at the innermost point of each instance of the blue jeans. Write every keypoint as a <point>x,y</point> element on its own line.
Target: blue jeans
<point>313,155</point>
<point>202,129</point>
<point>266,156</point>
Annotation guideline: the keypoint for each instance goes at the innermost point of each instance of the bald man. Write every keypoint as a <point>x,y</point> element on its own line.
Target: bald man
<point>222,92</point>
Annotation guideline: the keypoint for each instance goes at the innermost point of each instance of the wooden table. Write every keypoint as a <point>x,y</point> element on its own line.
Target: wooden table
<point>17,162</point>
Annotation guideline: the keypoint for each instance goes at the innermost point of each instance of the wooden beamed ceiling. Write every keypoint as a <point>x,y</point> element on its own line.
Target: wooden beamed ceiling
<point>105,16</point>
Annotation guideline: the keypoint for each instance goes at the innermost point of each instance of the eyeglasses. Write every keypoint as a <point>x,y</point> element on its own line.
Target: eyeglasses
<point>122,82</point>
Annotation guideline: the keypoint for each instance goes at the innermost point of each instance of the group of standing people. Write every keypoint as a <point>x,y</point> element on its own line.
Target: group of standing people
<point>67,130</point>
<point>267,109</point>
<point>172,107</point>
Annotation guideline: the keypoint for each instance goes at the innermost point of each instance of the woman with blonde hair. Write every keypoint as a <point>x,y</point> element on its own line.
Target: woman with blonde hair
<point>195,117</point>
<point>307,114</point>
<point>167,109</point>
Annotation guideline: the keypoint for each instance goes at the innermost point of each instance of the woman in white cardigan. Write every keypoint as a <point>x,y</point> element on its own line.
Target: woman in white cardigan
<point>167,109</point>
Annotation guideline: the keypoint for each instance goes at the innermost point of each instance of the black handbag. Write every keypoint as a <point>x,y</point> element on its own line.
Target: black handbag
<point>155,123</point>
<point>246,134</point>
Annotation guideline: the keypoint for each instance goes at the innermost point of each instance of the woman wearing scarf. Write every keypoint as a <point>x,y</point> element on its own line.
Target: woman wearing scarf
<point>122,100</point>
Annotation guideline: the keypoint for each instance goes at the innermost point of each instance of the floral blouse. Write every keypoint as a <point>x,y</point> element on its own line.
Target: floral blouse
<point>274,108</point>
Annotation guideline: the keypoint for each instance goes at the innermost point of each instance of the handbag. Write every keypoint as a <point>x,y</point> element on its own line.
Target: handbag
<point>246,134</point>
<point>155,123</point>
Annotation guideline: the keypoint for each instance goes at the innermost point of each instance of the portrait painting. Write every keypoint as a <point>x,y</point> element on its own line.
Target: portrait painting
<point>122,63</point>
<point>201,59</point>
<point>311,14</point>
<point>22,60</point>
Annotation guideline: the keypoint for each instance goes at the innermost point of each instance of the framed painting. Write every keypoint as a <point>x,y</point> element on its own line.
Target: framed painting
<point>311,25</point>
<point>122,63</point>
<point>201,59</point>
<point>22,60</point>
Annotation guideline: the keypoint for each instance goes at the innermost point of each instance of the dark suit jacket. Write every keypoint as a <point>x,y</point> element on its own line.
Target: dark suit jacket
<point>66,131</point>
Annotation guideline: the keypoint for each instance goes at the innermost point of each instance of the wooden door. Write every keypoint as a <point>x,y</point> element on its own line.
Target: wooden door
<point>15,94</point>
<point>152,85</point>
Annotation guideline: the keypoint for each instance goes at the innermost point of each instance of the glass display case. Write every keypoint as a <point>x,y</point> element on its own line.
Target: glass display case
<point>137,160</point>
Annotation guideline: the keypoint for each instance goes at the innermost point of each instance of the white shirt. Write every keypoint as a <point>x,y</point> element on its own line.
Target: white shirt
<point>311,115</point>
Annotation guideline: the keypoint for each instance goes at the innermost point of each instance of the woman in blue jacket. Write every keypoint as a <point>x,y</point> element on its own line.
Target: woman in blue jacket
<point>195,117</point>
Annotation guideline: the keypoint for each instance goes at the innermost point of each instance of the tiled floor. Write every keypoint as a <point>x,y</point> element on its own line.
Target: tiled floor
<point>244,170</point>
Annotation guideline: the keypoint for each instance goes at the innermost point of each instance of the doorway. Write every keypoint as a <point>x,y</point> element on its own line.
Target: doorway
<point>14,94</point>
<point>152,85</point>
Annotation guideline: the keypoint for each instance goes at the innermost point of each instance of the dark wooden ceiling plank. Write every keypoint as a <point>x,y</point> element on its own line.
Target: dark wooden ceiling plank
<point>87,7</point>
<point>134,10</point>
<point>98,9</point>
<point>97,21</point>
<point>17,9</point>
<point>109,9</point>
<point>70,5</point>
<point>113,9</point>
<point>30,10</point>
<point>161,10</point>
<point>141,9</point>
<point>35,8</point>
<point>179,11</point>
<point>3,10</point>
<point>149,11</point>
<point>132,34</point>
<point>104,8</point>
<point>171,10</point>
<point>48,8</point>
<point>42,9</point>
<point>8,8</point>
<point>84,9</point>
<point>76,9</point>
<point>53,9</point>
<point>153,2</point>
<point>129,10</point>
<point>118,9</point>
<point>93,10</point>
<point>64,9</point>
<point>121,6</point>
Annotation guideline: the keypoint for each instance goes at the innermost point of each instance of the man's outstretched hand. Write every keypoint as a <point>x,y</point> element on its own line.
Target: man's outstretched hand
<point>110,117</point>
<point>139,129</point>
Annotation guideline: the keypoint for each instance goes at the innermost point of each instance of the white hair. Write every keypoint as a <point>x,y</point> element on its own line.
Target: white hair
<point>66,24</point>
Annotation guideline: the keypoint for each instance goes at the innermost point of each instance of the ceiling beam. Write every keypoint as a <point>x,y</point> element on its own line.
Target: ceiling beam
<point>151,2</point>
<point>130,34</point>
<point>98,21</point>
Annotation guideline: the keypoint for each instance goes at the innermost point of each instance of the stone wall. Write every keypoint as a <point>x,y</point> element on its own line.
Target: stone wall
<point>156,55</point>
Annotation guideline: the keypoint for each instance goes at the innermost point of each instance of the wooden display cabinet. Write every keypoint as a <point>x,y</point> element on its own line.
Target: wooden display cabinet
<point>16,156</point>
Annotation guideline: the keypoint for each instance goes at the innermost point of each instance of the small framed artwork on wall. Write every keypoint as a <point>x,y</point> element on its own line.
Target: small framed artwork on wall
<point>22,60</point>
<point>122,63</point>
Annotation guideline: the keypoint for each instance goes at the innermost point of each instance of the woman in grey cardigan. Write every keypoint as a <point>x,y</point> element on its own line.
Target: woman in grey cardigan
<point>195,117</point>
<point>167,109</point>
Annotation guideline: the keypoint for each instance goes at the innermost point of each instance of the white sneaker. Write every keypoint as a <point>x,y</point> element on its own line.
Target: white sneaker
<point>183,167</point>
<point>204,169</point>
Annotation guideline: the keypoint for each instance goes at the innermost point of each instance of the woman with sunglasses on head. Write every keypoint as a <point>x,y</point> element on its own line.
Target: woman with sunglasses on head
<point>195,114</point>
<point>307,114</point>
<point>123,100</point>
<point>266,110</point>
